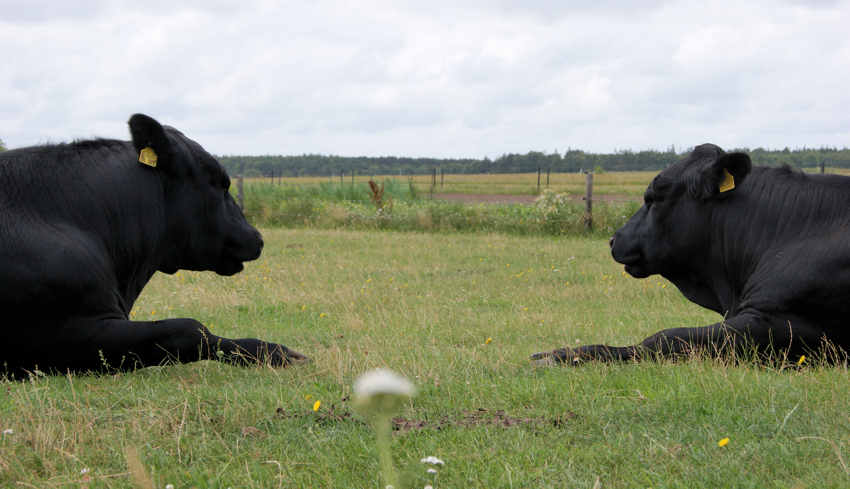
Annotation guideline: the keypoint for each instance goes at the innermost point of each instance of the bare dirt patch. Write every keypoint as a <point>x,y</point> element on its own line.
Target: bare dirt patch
<point>464,419</point>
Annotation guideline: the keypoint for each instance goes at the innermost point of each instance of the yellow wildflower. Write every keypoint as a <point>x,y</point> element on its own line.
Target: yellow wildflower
<point>723,442</point>
<point>801,360</point>
<point>488,341</point>
<point>317,405</point>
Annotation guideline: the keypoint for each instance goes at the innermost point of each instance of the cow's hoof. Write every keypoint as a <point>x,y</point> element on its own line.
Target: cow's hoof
<point>559,356</point>
<point>294,358</point>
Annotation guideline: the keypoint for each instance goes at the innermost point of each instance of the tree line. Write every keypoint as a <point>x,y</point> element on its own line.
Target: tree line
<point>569,161</point>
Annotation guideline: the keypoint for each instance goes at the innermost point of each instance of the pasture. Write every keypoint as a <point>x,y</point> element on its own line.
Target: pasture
<point>625,184</point>
<point>458,314</point>
<point>606,185</point>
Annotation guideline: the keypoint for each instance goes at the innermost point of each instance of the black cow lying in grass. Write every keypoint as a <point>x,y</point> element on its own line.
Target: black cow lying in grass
<point>768,248</point>
<point>84,226</point>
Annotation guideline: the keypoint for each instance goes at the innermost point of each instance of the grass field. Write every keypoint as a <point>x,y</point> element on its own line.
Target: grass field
<point>626,184</point>
<point>425,305</point>
<point>631,184</point>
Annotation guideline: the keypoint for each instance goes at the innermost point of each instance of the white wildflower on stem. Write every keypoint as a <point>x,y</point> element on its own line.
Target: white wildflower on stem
<point>378,395</point>
<point>432,460</point>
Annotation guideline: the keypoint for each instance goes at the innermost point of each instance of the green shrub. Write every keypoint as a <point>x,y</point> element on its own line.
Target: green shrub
<point>348,206</point>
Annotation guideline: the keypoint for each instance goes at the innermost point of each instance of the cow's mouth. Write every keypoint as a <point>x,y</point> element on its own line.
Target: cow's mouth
<point>637,270</point>
<point>635,265</point>
<point>229,267</point>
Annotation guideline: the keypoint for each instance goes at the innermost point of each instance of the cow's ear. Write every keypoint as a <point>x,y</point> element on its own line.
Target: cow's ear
<point>150,141</point>
<point>729,171</point>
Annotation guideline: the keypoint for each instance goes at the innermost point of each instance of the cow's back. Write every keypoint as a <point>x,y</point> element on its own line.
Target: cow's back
<point>60,206</point>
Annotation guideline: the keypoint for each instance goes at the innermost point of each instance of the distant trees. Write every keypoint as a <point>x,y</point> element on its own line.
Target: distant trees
<point>572,160</point>
<point>2,146</point>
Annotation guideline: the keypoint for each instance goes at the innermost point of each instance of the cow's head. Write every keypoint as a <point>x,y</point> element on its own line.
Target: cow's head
<point>206,229</point>
<point>668,234</point>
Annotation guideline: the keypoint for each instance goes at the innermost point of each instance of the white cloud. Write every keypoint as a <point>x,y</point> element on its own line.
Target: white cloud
<point>435,79</point>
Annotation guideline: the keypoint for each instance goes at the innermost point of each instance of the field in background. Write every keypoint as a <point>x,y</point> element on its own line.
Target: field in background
<point>426,305</point>
<point>624,184</point>
<point>405,206</point>
<point>631,184</point>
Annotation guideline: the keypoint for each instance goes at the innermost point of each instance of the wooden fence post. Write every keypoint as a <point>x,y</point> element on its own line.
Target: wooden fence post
<point>240,194</point>
<point>588,197</point>
<point>538,180</point>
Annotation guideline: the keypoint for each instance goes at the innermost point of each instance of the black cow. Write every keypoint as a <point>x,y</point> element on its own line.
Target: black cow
<point>768,248</point>
<point>84,226</point>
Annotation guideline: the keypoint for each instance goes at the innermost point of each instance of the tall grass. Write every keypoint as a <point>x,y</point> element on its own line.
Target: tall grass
<point>329,205</point>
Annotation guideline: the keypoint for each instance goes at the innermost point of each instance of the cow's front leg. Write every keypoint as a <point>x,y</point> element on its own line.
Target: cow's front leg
<point>742,334</point>
<point>125,345</point>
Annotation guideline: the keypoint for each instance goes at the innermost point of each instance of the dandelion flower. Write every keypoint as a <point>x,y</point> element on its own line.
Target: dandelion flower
<point>322,315</point>
<point>317,405</point>
<point>801,360</point>
<point>488,341</point>
<point>723,442</point>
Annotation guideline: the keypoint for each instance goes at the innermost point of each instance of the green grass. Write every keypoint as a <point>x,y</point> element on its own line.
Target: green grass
<point>630,183</point>
<point>424,305</point>
<point>332,206</point>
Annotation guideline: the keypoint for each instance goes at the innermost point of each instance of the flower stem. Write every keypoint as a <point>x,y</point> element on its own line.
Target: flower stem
<point>383,433</point>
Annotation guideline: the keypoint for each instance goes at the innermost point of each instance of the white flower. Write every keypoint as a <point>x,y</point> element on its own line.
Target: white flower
<point>84,471</point>
<point>169,486</point>
<point>382,381</point>
<point>431,471</point>
<point>432,460</point>
<point>429,486</point>
<point>8,431</point>
<point>381,392</point>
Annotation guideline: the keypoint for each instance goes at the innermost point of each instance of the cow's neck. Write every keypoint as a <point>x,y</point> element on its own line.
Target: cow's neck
<point>124,205</point>
<point>702,288</point>
<point>752,232</point>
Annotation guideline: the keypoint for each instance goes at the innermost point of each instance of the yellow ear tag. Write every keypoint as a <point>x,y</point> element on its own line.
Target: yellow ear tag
<point>148,156</point>
<point>728,182</point>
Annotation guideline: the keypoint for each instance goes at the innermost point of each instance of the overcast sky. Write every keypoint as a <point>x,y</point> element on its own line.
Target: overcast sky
<point>429,78</point>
